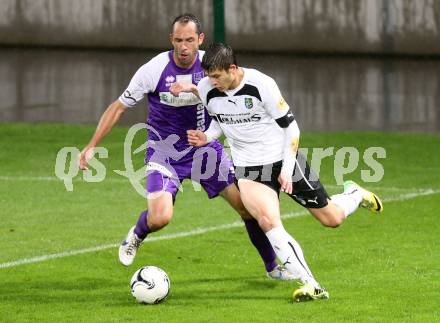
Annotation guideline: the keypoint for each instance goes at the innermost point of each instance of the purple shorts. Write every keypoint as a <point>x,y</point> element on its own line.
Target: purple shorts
<point>209,166</point>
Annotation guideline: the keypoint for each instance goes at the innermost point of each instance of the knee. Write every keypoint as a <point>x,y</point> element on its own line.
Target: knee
<point>158,220</point>
<point>332,220</point>
<point>332,224</point>
<point>267,222</point>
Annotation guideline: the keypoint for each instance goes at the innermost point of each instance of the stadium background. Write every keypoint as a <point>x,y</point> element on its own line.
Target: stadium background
<point>342,64</point>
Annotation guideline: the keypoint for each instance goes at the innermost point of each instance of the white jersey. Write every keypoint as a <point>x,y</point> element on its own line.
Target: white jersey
<point>247,116</point>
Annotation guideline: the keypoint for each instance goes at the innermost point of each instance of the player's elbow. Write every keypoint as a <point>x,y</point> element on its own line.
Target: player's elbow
<point>117,108</point>
<point>295,129</point>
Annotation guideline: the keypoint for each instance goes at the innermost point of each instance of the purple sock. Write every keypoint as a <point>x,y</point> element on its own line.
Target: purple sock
<point>142,228</point>
<point>260,241</point>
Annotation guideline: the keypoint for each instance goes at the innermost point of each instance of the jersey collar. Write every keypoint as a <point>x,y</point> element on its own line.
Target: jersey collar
<point>181,69</point>
<point>240,86</point>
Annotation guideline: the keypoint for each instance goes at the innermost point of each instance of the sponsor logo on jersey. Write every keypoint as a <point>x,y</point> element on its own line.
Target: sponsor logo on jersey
<point>178,101</point>
<point>248,103</point>
<point>201,117</point>
<point>184,78</point>
<point>129,96</point>
<point>282,104</point>
<point>169,80</point>
<point>237,118</point>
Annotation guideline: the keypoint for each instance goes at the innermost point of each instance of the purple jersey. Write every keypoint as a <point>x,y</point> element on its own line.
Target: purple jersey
<point>168,115</point>
<point>169,157</point>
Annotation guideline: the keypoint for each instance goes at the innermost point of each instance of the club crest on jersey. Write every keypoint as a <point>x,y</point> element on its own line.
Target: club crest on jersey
<point>248,103</point>
<point>198,76</point>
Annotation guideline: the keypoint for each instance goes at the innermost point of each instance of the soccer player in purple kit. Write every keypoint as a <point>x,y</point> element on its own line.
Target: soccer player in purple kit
<point>169,157</point>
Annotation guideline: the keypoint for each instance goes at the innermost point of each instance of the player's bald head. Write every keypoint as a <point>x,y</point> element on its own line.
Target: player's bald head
<point>185,19</point>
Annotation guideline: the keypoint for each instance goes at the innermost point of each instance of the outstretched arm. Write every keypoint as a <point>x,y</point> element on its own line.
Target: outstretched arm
<point>291,142</point>
<point>277,107</point>
<point>178,87</point>
<point>199,138</point>
<point>108,119</point>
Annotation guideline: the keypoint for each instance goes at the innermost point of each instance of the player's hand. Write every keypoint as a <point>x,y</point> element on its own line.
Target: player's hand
<point>84,157</point>
<point>286,182</point>
<point>178,87</point>
<point>196,138</point>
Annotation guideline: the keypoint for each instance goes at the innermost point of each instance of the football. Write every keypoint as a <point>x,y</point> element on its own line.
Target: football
<point>150,285</point>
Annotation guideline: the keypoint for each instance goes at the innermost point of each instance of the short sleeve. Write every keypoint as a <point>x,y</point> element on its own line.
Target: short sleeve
<point>273,101</point>
<point>203,88</point>
<point>144,81</point>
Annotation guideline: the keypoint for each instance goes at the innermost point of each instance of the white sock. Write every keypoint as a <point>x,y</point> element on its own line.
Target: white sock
<point>348,201</point>
<point>290,254</point>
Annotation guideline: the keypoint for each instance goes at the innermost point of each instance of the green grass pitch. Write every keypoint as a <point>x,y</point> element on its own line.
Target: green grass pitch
<point>377,268</point>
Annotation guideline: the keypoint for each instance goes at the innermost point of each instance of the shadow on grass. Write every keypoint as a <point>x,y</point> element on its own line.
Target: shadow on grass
<point>115,293</point>
<point>82,290</point>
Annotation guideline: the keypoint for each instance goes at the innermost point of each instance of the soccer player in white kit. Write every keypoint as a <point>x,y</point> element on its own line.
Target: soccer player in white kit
<point>248,108</point>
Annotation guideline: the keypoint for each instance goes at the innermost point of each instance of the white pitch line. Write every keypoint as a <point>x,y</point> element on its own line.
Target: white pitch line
<point>410,196</point>
<point>28,178</point>
<point>388,188</point>
<point>157,238</point>
<point>55,179</point>
<point>125,180</point>
<point>194,232</point>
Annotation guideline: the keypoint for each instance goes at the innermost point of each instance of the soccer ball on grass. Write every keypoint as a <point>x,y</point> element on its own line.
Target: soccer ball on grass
<point>150,285</point>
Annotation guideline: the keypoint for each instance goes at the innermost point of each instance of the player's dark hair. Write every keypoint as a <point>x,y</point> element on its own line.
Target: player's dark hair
<point>185,18</point>
<point>218,56</point>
